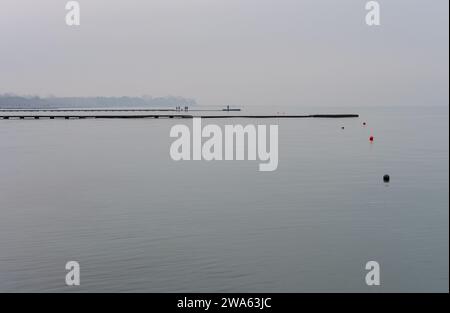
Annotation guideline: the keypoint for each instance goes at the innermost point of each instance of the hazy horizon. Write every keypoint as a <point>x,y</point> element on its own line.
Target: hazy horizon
<point>241,53</point>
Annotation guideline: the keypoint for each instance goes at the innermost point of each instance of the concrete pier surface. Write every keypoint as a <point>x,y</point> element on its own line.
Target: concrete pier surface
<point>141,113</point>
<point>16,116</point>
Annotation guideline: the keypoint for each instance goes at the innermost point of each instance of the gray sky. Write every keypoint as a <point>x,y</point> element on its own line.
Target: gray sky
<point>239,52</point>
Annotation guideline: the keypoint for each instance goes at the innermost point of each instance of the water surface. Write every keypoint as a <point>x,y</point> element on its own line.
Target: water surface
<point>106,194</point>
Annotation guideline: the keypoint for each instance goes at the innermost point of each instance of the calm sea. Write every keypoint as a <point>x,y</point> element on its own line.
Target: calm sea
<point>106,193</point>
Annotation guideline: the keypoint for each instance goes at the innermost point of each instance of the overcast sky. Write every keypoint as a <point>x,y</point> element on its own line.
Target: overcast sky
<point>238,52</point>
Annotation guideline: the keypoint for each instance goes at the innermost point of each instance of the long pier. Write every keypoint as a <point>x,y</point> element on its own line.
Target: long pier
<point>167,116</point>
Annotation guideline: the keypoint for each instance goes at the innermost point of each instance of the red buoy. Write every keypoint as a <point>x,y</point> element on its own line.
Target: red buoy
<point>371,138</point>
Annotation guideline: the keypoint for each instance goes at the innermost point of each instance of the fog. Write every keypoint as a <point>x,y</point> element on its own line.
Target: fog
<point>236,52</point>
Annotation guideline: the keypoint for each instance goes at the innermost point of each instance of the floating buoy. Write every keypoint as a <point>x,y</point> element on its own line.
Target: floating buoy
<point>342,127</point>
<point>386,178</point>
<point>364,123</point>
<point>371,138</point>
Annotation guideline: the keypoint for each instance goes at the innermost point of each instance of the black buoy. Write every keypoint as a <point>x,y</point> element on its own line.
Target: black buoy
<point>386,178</point>
<point>342,127</point>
